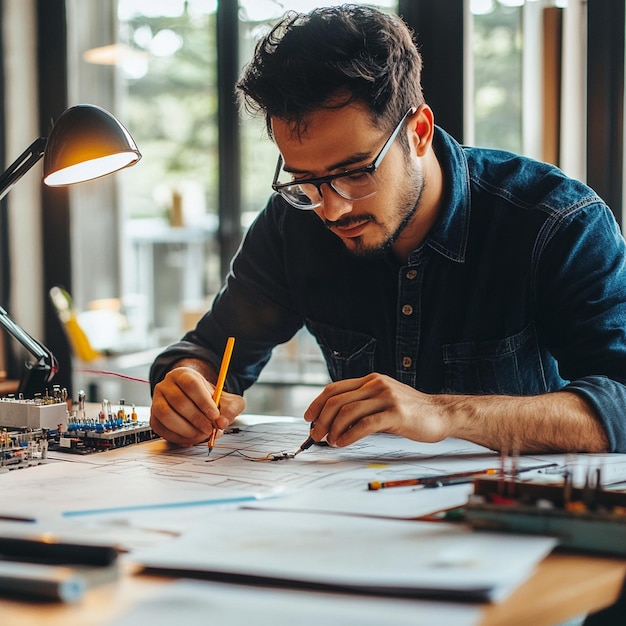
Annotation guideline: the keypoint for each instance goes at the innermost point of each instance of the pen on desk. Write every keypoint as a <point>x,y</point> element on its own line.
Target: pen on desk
<point>308,442</point>
<point>448,479</point>
<point>305,446</point>
<point>427,480</point>
<point>219,385</point>
<point>468,479</point>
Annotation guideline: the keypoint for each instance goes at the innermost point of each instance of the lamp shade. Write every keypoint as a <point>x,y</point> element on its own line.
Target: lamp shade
<point>86,142</point>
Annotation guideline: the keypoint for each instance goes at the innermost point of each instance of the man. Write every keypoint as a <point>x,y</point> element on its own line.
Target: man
<point>454,292</point>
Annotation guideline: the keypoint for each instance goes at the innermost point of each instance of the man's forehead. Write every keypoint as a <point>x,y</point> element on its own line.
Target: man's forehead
<point>307,126</point>
<point>329,143</point>
<point>292,129</point>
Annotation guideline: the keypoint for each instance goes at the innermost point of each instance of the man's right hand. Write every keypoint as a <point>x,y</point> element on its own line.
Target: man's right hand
<point>183,410</point>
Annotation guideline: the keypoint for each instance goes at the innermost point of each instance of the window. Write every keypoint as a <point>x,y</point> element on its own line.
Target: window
<point>258,152</point>
<point>157,69</point>
<point>167,73</point>
<point>497,74</point>
<point>155,64</point>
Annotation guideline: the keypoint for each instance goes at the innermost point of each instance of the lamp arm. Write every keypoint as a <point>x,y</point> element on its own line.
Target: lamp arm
<point>45,359</point>
<point>21,165</point>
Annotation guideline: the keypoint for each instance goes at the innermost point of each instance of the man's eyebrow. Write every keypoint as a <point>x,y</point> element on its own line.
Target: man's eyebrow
<point>351,160</point>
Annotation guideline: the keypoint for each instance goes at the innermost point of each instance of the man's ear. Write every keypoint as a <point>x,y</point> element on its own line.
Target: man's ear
<point>421,126</point>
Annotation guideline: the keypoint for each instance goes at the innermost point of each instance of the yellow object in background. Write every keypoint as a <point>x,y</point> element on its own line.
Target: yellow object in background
<point>79,342</point>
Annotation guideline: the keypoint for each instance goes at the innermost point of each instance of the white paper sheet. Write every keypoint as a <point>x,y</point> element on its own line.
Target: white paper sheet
<point>189,603</point>
<point>388,557</point>
<point>156,474</point>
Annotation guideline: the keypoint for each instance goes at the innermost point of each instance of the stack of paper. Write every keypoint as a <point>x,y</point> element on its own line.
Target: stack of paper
<point>193,602</point>
<point>351,554</point>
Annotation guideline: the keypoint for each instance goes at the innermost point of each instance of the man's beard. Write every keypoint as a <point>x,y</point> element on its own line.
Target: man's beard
<point>409,204</point>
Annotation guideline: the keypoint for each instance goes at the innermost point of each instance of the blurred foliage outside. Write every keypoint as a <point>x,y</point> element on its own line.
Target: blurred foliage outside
<point>171,104</point>
<point>169,86</point>
<point>497,48</point>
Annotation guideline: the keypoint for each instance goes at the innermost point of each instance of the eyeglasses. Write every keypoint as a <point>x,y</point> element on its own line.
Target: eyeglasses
<point>355,184</point>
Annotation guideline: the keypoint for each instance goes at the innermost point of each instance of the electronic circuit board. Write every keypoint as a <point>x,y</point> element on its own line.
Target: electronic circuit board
<point>29,429</point>
<point>586,517</point>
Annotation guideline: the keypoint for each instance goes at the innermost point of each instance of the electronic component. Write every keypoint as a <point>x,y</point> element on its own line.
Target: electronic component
<point>26,414</point>
<point>107,431</point>
<point>47,412</point>
<point>586,517</point>
<point>29,429</point>
<point>22,448</point>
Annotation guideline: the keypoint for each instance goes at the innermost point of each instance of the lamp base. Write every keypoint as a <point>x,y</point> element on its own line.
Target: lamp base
<point>34,381</point>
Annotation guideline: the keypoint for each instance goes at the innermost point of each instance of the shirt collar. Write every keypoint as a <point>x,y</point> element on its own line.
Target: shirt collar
<point>450,232</point>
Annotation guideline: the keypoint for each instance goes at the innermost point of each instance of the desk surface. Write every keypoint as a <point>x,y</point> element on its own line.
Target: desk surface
<point>564,586</point>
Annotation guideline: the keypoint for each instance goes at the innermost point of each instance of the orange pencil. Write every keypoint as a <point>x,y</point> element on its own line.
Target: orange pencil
<point>429,481</point>
<point>219,385</point>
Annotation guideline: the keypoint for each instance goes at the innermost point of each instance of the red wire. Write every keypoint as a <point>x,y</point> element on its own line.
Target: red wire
<point>109,373</point>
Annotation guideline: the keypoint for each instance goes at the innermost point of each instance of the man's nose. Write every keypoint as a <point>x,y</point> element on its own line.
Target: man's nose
<point>333,205</point>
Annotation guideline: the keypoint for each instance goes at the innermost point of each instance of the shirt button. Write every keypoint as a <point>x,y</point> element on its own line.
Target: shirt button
<point>407,309</point>
<point>411,274</point>
<point>407,361</point>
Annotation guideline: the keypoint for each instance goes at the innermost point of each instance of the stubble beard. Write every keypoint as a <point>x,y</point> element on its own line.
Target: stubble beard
<point>409,203</point>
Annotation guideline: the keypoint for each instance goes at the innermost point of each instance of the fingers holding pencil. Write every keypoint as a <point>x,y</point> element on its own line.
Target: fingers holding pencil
<point>181,412</point>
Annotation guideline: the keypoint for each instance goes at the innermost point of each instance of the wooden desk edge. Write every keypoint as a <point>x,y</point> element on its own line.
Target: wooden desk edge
<point>565,585</point>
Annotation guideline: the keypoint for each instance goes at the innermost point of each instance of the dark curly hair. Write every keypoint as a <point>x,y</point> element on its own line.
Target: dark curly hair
<point>330,57</point>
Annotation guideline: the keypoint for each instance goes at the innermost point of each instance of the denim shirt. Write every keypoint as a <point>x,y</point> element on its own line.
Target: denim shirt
<point>519,289</point>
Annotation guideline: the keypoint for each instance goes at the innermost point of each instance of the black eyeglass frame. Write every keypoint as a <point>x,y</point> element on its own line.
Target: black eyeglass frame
<point>328,180</point>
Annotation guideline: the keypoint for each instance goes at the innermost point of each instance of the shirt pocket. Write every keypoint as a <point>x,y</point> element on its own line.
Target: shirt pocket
<point>511,366</point>
<point>348,354</point>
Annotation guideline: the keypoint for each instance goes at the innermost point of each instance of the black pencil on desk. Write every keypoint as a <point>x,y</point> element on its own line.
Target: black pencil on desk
<point>10,517</point>
<point>449,481</point>
<point>305,446</point>
<point>47,551</point>
<point>43,582</point>
<point>308,442</point>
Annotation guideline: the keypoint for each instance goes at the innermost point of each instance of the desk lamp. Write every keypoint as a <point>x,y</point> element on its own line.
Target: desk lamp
<point>85,143</point>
